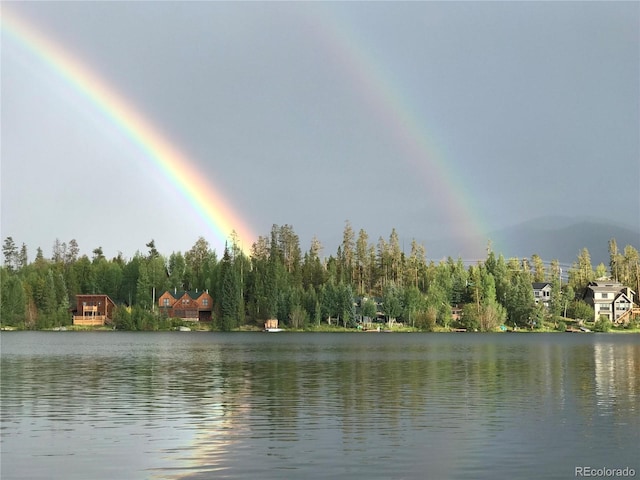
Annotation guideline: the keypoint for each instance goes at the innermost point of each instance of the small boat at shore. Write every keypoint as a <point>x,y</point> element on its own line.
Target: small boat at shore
<point>577,330</point>
<point>272,330</point>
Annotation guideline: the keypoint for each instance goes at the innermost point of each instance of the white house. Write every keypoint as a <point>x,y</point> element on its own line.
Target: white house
<point>542,292</point>
<point>609,299</point>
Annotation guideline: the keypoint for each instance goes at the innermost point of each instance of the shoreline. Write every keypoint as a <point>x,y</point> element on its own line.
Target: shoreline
<point>72,328</point>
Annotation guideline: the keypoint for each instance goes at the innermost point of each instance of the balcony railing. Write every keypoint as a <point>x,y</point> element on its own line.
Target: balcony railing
<point>89,320</point>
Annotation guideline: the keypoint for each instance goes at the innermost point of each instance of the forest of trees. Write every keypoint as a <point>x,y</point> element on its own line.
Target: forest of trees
<point>278,280</point>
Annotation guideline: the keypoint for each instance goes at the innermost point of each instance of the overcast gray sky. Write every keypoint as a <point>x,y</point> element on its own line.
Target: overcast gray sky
<point>437,119</point>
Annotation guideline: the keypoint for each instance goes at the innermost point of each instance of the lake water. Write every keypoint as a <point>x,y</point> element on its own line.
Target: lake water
<point>193,405</point>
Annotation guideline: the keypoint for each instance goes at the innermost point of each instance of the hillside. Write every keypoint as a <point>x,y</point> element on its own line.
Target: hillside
<point>559,238</point>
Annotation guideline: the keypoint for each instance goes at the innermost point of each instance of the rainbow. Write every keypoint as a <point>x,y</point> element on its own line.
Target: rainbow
<point>215,210</point>
<point>371,80</point>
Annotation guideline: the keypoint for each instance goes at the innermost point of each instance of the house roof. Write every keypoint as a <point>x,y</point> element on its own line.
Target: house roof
<point>604,289</point>
<point>539,285</point>
<point>86,295</point>
<point>606,283</point>
<point>622,296</point>
<point>192,293</point>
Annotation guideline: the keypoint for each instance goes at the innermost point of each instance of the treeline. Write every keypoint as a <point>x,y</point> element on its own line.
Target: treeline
<point>278,280</point>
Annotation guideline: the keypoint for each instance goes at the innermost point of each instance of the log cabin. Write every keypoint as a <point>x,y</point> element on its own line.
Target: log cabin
<point>93,310</point>
<point>188,305</point>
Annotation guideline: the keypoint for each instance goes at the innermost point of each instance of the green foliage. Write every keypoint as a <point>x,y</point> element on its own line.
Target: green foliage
<point>231,309</point>
<point>603,324</point>
<point>298,318</point>
<point>392,302</point>
<point>470,317</point>
<point>580,310</point>
<point>369,308</point>
<point>520,302</point>
<point>276,280</point>
<point>14,299</point>
<point>426,319</point>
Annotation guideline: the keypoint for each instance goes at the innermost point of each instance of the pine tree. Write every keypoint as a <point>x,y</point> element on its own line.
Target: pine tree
<point>143,288</point>
<point>348,253</point>
<point>23,259</point>
<point>10,252</point>
<point>396,258</point>
<point>581,272</point>
<point>13,297</point>
<point>177,267</point>
<point>229,293</point>
<point>362,262</point>
<point>538,268</point>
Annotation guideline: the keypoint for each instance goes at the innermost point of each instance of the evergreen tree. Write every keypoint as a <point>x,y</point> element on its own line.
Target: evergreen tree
<point>362,263</point>
<point>313,273</point>
<point>631,268</point>
<point>153,252</point>
<point>13,297</point>
<point>97,255</point>
<point>229,294</point>
<point>176,267</point>
<point>416,266</point>
<point>457,284</point>
<point>258,297</point>
<point>347,259</point>
<point>196,265</point>
<point>72,252</point>
<point>581,272</point>
<point>520,301</point>
<point>10,252</point>
<point>538,268</point>
<point>395,258</point>
<point>59,251</point>
<point>615,259</point>
<point>144,288</point>
<point>555,300</point>
<point>39,255</point>
<point>23,259</point>
<point>346,307</point>
<point>498,268</point>
<point>329,301</point>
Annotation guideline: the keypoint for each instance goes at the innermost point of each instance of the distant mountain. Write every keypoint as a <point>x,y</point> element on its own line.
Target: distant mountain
<point>559,238</point>
<point>562,238</point>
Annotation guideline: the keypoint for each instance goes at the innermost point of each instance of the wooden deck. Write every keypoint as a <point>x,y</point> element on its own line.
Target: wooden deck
<point>90,320</point>
<point>626,316</point>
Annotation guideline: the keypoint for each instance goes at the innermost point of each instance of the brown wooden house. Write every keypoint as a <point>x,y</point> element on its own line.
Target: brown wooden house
<point>93,310</point>
<point>194,306</point>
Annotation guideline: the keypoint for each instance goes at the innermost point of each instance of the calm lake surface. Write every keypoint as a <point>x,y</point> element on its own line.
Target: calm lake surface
<point>115,405</point>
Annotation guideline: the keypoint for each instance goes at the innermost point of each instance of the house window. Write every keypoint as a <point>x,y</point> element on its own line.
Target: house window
<point>205,302</point>
<point>165,302</point>
<point>605,307</point>
<point>537,292</point>
<point>605,295</point>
